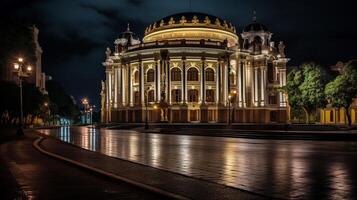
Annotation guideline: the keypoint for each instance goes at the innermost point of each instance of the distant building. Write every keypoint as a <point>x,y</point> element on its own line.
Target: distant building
<point>194,67</point>
<point>37,77</point>
<point>331,115</point>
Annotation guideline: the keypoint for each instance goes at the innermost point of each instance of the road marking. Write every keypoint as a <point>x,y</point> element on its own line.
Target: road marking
<point>37,142</point>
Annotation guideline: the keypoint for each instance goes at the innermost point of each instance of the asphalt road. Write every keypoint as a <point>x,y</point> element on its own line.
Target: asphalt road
<point>288,169</point>
<point>42,177</point>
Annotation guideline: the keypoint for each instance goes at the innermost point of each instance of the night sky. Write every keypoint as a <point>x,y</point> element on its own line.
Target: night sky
<point>75,33</point>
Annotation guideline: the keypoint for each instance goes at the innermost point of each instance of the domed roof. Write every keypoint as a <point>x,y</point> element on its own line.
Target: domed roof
<point>255,26</point>
<point>190,19</point>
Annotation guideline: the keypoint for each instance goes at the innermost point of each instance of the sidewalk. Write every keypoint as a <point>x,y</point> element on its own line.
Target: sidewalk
<point>41,177</point>
<point>185,186</point>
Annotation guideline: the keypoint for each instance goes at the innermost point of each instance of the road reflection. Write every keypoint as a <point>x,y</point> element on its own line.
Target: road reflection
<point>284,169</point>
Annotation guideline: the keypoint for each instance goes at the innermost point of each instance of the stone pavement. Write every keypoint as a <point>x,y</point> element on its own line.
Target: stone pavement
<point>179,184</point>
<point>42,177</point>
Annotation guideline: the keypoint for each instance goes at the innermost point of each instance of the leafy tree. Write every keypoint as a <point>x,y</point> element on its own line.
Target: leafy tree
<point>341,91</point>
<point>305,88</point>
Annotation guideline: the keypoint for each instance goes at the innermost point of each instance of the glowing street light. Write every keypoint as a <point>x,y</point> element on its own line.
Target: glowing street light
<point>21,73</point>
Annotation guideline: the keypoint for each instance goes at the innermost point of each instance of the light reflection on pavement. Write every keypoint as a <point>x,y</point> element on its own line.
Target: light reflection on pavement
<point>279,168</point>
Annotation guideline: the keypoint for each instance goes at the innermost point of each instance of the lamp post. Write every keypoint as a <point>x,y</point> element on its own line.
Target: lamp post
<point>21,73</point>
<point>85,103</point>
<point>146,109</point>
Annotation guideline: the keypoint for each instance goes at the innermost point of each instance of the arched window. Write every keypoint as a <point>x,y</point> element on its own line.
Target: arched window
<point>151,97</point>
<point>150,76</point>
<point>192,95</point>
<point>231,78</point>
<point>136,98</point>
<point>209,95</point>
<point>175,74</point>
<point>257,43</point>
<point>192,74</point>
<point>176,95</point>
<point>209,74</point>
<point>136,77</point>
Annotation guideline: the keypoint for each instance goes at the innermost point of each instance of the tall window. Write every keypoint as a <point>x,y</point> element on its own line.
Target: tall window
<point>150,76</point>
<point>272,99</point>
<point>136,77</point>
<point>192,95</point>
<point>192,74</point>
<point>209,74</point>
<point>176,95</point>
<point>175,74</point>
<point>210,95</point>
<point>231,78</point>
<point>136,98</point>
<point>270,72</point>
<point>151,97</point>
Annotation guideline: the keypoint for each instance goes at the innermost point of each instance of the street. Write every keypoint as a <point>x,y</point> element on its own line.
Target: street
<point>285,169</point>
<point>41,177</point>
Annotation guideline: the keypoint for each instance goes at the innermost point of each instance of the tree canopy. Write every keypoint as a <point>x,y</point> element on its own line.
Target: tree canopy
<point>341,91</point>
<point>305,88</point>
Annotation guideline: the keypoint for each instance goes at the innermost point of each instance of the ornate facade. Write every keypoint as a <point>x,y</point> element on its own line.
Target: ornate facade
<point>194,67</point>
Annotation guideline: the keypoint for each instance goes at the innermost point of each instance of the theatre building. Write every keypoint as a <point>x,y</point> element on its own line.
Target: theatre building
<point>195,67</point>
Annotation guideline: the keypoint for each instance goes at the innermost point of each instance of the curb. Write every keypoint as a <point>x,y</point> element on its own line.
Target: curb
<point>36,145</point>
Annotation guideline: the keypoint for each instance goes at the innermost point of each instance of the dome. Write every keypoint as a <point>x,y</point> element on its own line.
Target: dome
<point>191,26</point>
<point>255,26</point>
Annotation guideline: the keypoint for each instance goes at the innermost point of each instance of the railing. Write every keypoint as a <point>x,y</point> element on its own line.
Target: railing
<point>179,43</point>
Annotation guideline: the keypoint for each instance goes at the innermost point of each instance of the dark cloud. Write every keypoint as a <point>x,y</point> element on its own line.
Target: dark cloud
<point>75,33</point>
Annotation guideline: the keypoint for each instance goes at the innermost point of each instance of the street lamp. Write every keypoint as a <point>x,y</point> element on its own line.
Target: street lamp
<point>21,72</point>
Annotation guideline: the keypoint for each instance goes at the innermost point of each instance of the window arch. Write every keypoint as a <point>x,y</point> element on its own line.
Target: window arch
<point>136,77</point>
<point>151,96</point>
<point>192,95</point>
<point>192,74</point>
<point>150,76</point>
<point>175,74</point>
<point>209,74</point>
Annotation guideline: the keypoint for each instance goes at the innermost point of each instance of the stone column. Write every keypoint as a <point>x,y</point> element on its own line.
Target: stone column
<point>130,95</point>
<point>168,81</point>
<point>203,107</point>
<point>255,86</point>
<point>217,79</point>
<point>262,85</point>
<point>243,68</point>
<point>240,84</point>
<point>116,83</point>
<point>107,100</point>
<point>203,88</point>
<point>157,80</point>
<point>183,81</point>
<point>141,83</point>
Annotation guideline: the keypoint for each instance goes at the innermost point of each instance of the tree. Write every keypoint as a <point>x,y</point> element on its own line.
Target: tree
<point>341,91</point>
<point>305,88</point>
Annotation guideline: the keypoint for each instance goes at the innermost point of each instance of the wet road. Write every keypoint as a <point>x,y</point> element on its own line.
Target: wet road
<point>279,168</point>
<point>42,177</point>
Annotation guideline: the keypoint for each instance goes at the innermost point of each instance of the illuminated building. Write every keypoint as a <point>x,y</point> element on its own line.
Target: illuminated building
<point>194,67</point>
<point>36,77</point>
